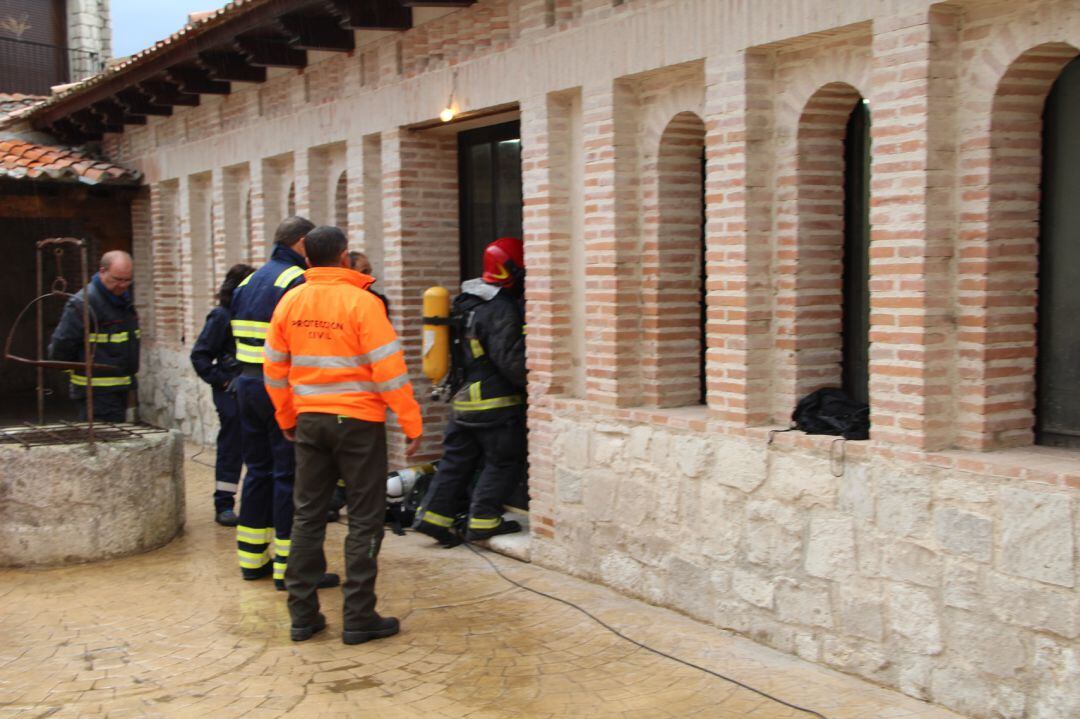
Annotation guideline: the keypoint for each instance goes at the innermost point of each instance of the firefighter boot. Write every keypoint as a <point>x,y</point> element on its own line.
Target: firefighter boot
<point>485,528</point>
<point>442,535</point>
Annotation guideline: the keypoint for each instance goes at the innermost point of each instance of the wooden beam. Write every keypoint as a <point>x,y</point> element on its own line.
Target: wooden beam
<point>372,14</point>
<point>228,65</point>
<point>266,52</point>
<point>91,122</point>
<point>316,33</point>
<point>197,80</point>
<point>217,33</point>
<point>163,92</point>
<point>137,103</point>
<point>113,113</point>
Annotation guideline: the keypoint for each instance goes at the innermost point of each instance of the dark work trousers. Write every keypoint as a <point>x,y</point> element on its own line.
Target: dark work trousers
<point>501,447</point>
<point>230,458</point>
<point>108,406</point>
<point>266,510</point>
<point>327,447</point>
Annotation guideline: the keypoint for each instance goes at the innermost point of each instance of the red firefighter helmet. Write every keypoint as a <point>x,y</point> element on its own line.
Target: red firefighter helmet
<point>504,262</point>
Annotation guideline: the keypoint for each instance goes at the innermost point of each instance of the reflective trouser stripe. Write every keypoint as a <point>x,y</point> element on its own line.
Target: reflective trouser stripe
<point>226,486</point>
<point>484,522</point>
<point>80,381</point>
<point>252,560</point>
<point>439,520</point>
<point>281,556</point>
<point>254,535</point>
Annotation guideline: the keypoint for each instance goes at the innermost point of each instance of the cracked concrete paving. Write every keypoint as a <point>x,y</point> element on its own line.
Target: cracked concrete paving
<point>176,633</point>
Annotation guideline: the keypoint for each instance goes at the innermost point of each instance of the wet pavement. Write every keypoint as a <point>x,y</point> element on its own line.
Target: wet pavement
<point>176,633</point>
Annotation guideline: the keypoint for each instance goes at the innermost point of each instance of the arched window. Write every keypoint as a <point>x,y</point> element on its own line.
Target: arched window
<point>673,277</point>
<point>1057,410</point>
<point>341,202</point>
<point>831,302</point>
<point>855,335</point>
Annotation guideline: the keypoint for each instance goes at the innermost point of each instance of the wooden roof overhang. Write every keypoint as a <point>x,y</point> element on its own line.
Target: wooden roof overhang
<point>235,44</point>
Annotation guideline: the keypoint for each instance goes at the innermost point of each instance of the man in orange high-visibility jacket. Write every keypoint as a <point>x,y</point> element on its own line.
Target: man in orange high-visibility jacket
<point>333,366</point>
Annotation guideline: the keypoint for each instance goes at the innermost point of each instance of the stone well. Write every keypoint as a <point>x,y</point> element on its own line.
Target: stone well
<point>67,502</point>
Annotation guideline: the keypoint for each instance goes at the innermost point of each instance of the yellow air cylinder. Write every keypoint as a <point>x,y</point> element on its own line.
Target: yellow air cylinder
<point>436,350</point>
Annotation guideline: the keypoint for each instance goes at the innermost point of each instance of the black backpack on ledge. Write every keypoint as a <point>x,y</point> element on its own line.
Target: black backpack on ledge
<point>830,411</point>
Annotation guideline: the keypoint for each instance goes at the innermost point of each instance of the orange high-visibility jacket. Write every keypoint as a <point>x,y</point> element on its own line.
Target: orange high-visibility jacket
<point>331,349</point>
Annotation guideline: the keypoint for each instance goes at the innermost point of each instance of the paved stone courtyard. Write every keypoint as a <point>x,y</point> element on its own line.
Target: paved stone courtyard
<point>176,633</point>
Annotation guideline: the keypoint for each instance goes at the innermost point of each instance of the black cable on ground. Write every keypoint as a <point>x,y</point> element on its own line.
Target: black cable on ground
<point>646,647</point>
<point>194,459</point>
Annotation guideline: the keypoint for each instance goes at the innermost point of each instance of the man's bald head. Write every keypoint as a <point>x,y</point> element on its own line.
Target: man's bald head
<point>115,271</point>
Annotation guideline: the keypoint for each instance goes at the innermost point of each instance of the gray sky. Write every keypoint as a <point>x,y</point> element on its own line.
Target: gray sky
<point>138,24</point>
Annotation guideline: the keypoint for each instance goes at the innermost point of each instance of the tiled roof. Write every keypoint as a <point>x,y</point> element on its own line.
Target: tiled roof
<point>21,160</point>
<point>188,32</point>
<point>13,102</point>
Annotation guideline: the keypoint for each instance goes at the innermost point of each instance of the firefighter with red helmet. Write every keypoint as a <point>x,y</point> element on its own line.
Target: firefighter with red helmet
<point>487,426</point>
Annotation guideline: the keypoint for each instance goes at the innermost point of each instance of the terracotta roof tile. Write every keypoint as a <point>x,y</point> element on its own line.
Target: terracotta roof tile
<point>14,102</point>
<point>21,160</point>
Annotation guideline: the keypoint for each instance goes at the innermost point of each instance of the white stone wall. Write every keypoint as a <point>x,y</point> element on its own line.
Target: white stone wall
<point>89,31</point>
<point>956,587</point>
<point>172,395</point>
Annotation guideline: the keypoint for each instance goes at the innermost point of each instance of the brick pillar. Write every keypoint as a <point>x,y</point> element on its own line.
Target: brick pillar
<point>912,212</point>
<point>165,250</point>
<point>223,260</point>
<point>420,210</point>
<point>546,151</point>
<point>142,240</point>
<point>354,166</point>
<point>611,237</point>
<point>739,93</point>
<point>184,256</point>
<point>260,237</point>
<point>303,181</point>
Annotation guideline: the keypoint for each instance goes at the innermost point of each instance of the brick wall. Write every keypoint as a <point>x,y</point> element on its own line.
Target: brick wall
<point>946,522</point>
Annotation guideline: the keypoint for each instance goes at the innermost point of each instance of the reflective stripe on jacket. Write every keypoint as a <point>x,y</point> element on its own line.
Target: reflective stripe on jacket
<point>331,349</point>
<point>114,339</point>
<point>255,298</point>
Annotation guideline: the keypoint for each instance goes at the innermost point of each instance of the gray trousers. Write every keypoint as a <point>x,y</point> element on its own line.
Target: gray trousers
<point>327,447</point>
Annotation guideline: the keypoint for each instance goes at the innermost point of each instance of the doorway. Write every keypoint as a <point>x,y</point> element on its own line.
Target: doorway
<point>490,184</point>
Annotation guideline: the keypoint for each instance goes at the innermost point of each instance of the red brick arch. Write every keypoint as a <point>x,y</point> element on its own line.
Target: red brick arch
<point>810,300</point>
<point>998,277</point>
<point>671,268</point>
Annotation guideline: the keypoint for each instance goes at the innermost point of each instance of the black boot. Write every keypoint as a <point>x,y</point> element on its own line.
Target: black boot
<point>380,628</point>
<point>302,634</point>
<point>227,518</point>
<point>264,571</point>
<point>442,535</point>
<point>505,527</point>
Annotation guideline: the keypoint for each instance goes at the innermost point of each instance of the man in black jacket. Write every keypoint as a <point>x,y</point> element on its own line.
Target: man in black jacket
<point>488,421</point>
<point>114,338</point>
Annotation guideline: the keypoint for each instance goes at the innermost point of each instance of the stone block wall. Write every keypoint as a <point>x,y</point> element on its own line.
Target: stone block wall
<point>89,35</point>
<point>952,581</point>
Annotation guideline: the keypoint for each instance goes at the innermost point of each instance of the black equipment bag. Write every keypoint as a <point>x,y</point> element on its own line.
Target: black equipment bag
<point>831,411</point>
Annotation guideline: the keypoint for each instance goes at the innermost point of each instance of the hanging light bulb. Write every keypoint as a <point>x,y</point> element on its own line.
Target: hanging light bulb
<point>449,112</point>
